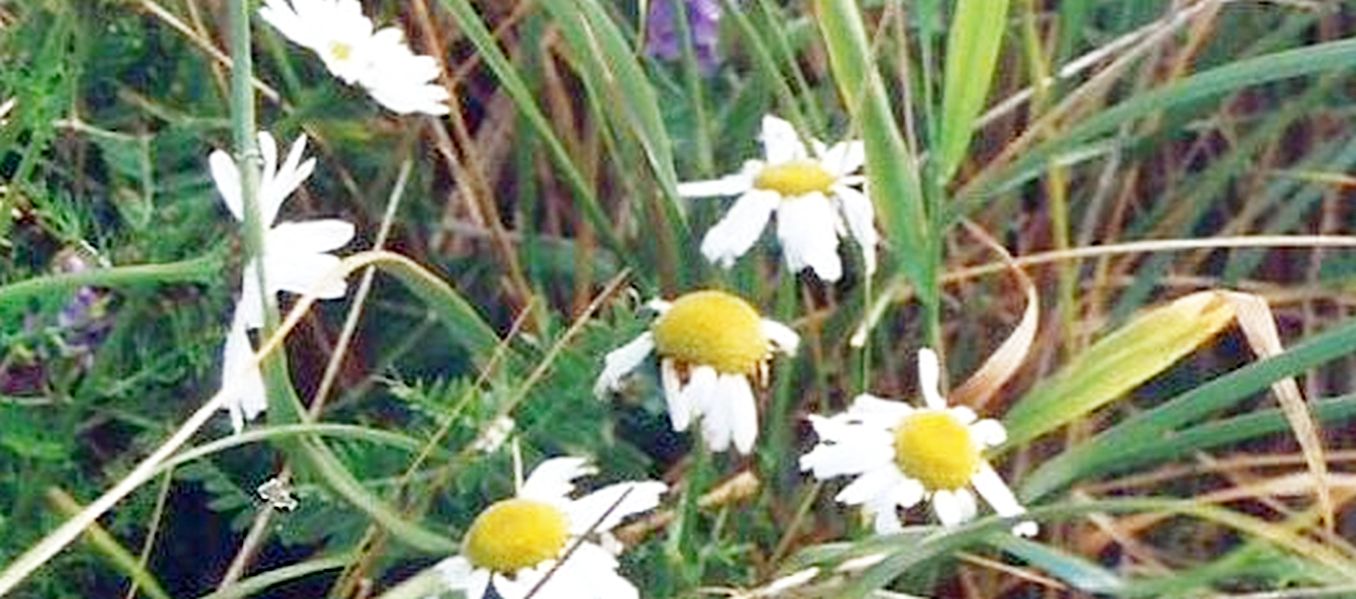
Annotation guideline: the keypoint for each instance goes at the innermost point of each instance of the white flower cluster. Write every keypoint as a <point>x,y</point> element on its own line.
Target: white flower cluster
<point>356,52</point>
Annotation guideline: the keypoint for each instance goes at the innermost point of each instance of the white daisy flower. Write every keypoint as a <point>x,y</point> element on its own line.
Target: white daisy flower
<point>358,53</point>
<point>713,347</point>
<point>296,256</point>
<point>902,455</point>
<point>520,543</point>
<point>815,199</point>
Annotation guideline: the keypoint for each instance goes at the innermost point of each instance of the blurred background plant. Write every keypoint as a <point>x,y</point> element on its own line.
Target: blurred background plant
<point>1145,435</point>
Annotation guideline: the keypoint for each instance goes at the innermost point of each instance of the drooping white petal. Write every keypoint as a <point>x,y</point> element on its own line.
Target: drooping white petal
<point>680,406</point>
<point>860,216</point>
<point>782,337</point>
<point>948,507</point>
<point>907,492</point>
<point>227,179</point>
<point>780,141</point>
<point>729,185</point>
<point>844,158</point>
<point>621,361</point>
<point>885,518</point>
<point>929,378</point>
<point>968,506</point>
<point>734,234</point>
<point>703,395</point>
<point>629,498</point>
<point>998,495</point>
<point>806,229</point>
<point>736,393</point>
<point>660,306</point>
<point>250,397</point>
<point>553,480</point>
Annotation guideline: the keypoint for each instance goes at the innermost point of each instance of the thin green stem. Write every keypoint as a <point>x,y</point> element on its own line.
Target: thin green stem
<point>201,268</point>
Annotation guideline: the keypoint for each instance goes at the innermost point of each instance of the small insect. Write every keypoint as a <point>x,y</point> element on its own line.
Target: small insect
<point>278,495</point>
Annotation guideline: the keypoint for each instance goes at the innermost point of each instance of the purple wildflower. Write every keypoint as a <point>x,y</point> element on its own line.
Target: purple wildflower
<point>703,21</point>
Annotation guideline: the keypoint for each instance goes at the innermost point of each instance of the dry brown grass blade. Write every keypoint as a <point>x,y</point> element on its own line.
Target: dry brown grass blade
<point>1259,327</point>
<point>1004,361</point>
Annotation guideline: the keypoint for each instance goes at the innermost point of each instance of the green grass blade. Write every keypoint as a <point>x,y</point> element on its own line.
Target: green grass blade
<point>892,173</point>
<point>1150,427</point>
<point>972,47</point>
<point>1329,56</point>
<point>1117,363</point>
<point>474,29</point>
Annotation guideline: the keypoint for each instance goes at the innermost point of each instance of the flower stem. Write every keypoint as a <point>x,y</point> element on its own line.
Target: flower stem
<point>202,268</point>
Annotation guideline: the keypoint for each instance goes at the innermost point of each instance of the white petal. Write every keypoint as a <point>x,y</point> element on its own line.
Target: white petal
<point>309,237</point>
<point>963,414</point>
<point>250,397</point>
<point>553,479</point>
<point>250,308</point>
<point>780,141</point>
<point>907,493</point>
<point>288,178</point>
<point>861,222</point>
<point>806,229</point>
<point>680,405</point>
<point>968,506</point>
<point>857,450</point>
<point>660,306</point>
<point>621,361</point>
<point>455,572</point>
<point>997,494</point>
<point>734,234</point>
<point>781,336</point>
<point>268,158</point>
<point>703,395</point>
<point>634,498</point>
<point>989,432</point>
<point>884,411</point>
<point>227,178</point>
<point>736,393</point>
<point>871,485</point>
<point>304,274</point>
<point>844,157</point>
<point>948,508</point>
<point>929,378</point>
<point>729,185</point>
<point>885,520</point>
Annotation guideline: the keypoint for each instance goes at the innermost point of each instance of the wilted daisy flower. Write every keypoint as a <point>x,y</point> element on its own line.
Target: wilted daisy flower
<point>517,543</point>
<point>902,455</point>
<point>814,198</point>
<point>296,257</point>
<point>356,52</point>
<point>712,348</point>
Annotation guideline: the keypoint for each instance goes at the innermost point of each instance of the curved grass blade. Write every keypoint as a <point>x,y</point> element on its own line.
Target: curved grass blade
<point>1118,363</point>
<point>1151,427</point>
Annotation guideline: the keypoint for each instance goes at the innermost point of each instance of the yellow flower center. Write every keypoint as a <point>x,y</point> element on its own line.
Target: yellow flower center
<point>340,51</point>
<point>712,328</point>
<point>795,178</point>
<point>514,534</point>
<point>935,448</point>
